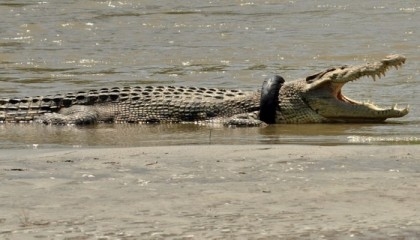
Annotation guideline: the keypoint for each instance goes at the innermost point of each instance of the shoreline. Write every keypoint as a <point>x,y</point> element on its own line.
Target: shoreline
<point>211,191</point>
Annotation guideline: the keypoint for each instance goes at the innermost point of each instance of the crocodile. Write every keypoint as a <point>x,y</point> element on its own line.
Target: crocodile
<point>317,98</point>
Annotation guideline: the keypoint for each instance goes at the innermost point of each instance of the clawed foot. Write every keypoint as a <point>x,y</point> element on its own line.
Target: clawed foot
<point>54,119</point>
<point>245,120</point>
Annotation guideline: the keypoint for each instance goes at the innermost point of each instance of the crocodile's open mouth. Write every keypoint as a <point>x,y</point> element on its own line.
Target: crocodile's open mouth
<point>335,106</point>
<point>373,113</point>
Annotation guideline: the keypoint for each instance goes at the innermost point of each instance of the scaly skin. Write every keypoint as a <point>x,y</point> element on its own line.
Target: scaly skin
<point>151,104</point>
<point>315,99</point>
<point>318,98</point>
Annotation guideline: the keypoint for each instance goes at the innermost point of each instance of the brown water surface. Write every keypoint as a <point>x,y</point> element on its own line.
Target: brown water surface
<point>59,46</point>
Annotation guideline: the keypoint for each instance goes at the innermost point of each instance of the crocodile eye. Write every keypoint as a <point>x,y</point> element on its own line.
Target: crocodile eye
<point>310,79</point>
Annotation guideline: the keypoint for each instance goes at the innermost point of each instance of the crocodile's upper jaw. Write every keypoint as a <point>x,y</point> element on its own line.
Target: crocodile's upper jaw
<point>323,93</point>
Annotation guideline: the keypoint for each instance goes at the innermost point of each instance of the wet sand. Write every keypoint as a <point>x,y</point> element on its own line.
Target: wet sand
<point>211,192</point>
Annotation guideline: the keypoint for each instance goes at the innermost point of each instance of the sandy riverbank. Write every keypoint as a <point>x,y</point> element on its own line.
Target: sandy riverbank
<point>197,192</point>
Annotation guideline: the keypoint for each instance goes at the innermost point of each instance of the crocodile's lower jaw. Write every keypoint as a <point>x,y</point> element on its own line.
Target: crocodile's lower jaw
<point>315,99</point>
<point>326,98</point>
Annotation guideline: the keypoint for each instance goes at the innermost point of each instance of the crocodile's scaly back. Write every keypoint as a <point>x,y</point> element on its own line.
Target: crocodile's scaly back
<point>131,104</point>
<point>184,104</point>
<point>317,98</point>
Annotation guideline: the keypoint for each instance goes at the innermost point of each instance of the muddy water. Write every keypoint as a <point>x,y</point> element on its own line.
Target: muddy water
<point>311,193</point>
<point>59,46</point>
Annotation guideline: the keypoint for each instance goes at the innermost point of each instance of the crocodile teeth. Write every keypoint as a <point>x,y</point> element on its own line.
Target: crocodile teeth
<point>381,74</point>
<point>394,107</point>
<point>374,77</point>
<point>367,102</point>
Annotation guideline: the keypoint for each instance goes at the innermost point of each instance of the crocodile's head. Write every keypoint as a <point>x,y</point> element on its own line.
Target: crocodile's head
<point>322,93</point>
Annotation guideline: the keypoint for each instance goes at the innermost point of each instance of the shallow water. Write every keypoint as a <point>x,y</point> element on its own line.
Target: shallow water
<point>60,46</point>
<point>130,135</point>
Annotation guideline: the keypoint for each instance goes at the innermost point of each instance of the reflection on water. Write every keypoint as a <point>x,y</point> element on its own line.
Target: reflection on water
<point>49,47</point>
<point>132,135</point>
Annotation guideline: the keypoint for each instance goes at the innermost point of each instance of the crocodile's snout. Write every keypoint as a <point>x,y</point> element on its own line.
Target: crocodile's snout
<point>315,99</point>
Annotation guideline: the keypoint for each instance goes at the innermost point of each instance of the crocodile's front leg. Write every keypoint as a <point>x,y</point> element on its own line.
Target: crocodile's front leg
<point>245,120</point>
<point>74,115</point>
